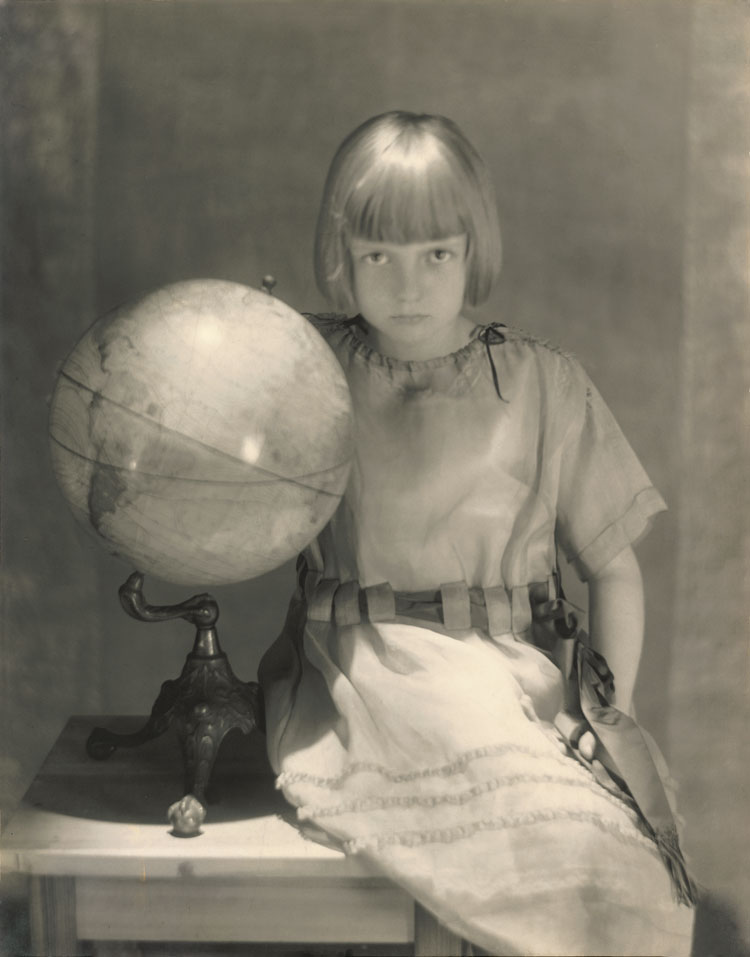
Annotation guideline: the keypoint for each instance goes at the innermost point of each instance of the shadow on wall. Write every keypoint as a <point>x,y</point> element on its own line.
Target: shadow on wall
<point>717,932</point>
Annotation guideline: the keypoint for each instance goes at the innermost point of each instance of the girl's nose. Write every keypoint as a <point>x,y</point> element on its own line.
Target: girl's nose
<point>409,287</point>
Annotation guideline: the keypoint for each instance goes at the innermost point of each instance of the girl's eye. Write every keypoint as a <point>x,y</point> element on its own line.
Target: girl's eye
<point>375,258</point>
<point>440,255</point>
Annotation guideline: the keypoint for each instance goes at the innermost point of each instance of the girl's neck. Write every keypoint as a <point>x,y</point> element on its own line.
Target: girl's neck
<point>420,349</point>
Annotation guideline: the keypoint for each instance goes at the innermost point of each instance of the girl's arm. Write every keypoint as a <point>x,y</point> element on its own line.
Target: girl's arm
<point>616,619</point>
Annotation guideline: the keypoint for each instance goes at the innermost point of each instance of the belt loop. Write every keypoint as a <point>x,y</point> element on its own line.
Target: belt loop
<point>320,602</point>
<point>381,602</point>
<point>346,604</point>
<point>498,610</point>
<point>456,606</point>
<point>520,610</point>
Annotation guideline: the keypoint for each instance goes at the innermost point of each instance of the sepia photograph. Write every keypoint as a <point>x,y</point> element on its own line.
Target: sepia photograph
<point>374,478</point>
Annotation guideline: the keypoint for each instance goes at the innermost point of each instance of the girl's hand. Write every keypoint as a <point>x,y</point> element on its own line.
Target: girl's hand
<point>577,734</point>
<point>587,745</point>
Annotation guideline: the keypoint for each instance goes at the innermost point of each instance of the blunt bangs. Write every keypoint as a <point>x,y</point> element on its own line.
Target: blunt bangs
<point>400,204</point>
<point>404,178</point>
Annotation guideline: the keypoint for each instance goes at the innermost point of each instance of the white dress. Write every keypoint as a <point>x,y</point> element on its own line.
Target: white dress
<point>409,711</point>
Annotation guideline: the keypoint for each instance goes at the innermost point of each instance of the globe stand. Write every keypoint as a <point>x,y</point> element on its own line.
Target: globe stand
<point>203,704</point>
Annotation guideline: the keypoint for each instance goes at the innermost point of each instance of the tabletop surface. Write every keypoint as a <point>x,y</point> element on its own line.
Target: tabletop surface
<point>82,817</point>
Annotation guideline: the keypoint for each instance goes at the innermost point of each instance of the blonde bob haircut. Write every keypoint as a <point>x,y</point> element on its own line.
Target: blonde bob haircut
<point>405,178</point>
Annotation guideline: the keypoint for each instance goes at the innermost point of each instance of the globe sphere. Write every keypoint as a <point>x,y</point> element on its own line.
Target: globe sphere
<point>203,433</point>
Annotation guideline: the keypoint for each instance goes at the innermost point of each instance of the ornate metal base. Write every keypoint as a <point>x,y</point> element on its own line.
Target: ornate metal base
<point>203,704</point>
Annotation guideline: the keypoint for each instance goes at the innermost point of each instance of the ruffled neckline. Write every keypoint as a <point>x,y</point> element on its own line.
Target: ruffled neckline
<point>452,373</point>
<point>352,338</point>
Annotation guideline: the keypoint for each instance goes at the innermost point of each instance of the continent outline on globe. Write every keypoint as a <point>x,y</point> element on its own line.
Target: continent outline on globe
<point>202,432</point>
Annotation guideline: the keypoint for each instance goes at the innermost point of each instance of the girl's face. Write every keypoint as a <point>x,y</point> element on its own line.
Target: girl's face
<point>411,295</point>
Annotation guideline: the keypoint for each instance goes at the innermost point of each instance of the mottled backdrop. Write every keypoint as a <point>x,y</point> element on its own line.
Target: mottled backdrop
<point>150,142</point>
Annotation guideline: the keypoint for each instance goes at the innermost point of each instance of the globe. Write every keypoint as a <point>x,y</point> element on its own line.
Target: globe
<point>203,433</point>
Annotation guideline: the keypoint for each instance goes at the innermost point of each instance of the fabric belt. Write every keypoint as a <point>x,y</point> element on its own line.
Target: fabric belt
<point>494,610</point>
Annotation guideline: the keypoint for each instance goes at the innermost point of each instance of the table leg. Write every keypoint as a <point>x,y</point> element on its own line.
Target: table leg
<point>52,912</point>
<point>431,939</point>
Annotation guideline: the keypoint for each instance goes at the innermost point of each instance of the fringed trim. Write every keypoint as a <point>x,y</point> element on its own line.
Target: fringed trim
<point>668,845</point>
<point>432,800</point>
<point>449,835</point>
<point>367,804</point>
<point>445,770</point>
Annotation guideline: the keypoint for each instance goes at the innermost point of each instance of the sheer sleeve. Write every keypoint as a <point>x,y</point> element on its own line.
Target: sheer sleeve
<point>605,498</point>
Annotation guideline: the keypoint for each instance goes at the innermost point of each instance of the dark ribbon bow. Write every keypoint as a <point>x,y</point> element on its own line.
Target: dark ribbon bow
<point>492,335</point>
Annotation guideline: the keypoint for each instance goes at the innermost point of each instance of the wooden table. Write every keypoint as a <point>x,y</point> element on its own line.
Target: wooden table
<point>104,865</point>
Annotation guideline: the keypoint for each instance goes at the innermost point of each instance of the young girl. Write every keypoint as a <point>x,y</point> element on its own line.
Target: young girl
<point>430,704</point>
